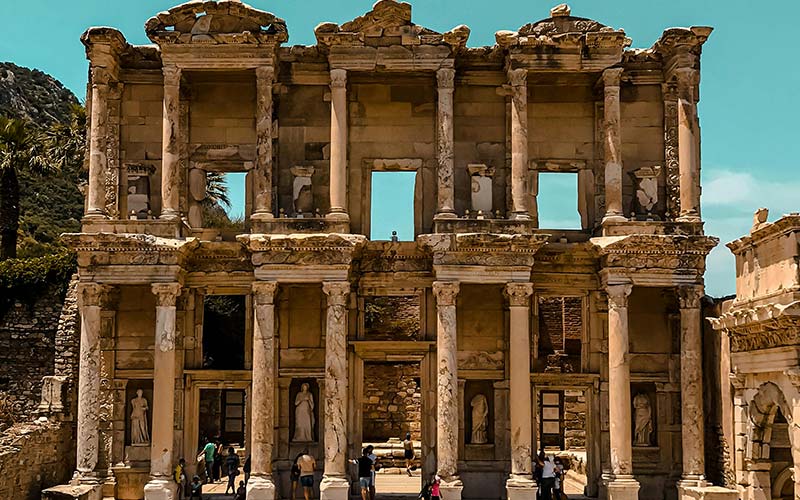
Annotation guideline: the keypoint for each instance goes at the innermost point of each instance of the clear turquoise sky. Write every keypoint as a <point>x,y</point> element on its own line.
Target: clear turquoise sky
<point>750,90</point>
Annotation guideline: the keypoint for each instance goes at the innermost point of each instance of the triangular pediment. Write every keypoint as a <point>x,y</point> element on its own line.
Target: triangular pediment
<point>385,14</point>
<point>226,21</point>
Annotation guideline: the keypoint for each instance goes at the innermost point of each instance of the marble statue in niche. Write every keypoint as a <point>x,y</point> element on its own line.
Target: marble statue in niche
<point>302,195</point>
<point>481,180</point>
<point>643,420</point>
<point>647,191</point>
<point>139,431</point>
<point>304,415</point>
<point>480,419</point>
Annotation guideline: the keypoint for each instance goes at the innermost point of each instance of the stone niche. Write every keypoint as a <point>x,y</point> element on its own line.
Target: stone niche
<point>137,190</point>
<point>476,393</point>
<point>294,389</point>
<point>481,187</point>
<point>392,318</point>
<point>644,402</point>
<point>302,191</point>
<point>137,455</point>
<point>646,200</point>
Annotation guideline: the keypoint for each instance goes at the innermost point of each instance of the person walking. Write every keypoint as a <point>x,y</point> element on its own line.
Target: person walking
<point>294,475</point>
<point>180,478</point>
<point>372,456</point>
<point>548,478</point>
<point>219,451</point>
<point>408,452</point>
<point>232,468</point>
<point>208,458</point>
<point>435,493</point>
<point>558,488</point>
<point>196,489</point>
<point>365,468</point>
<point>307,465</point>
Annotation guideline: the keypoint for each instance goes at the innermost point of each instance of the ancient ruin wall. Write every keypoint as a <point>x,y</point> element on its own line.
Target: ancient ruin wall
<point>392,401</point>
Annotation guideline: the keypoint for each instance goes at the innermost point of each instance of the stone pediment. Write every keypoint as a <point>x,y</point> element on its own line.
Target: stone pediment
<point>388,23</point>
<point>222,22</point>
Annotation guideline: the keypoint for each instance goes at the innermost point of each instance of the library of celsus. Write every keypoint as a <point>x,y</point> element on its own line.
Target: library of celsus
<point>487,335</point>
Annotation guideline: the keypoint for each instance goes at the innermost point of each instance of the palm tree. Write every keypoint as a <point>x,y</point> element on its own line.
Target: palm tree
<point>216,191</point>
<point>22,146</point>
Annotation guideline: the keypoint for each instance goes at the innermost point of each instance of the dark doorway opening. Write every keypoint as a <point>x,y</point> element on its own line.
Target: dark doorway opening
<point>224,326</point>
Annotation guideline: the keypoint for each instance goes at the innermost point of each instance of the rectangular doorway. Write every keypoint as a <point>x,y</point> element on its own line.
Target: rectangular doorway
<point>222,416</point>
<point>551,419</point>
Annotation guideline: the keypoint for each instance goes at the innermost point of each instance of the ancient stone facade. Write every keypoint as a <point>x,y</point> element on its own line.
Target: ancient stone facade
<point>516,325</point>
<point>760,341</point>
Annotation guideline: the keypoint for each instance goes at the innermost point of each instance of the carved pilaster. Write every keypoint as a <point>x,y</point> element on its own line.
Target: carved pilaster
<point>98,143</point>
<point>262,173</point>
<point>518,79</point>
<point>444,153</point>
<point>519,294</point>
<point>447,380</point>
<point>336,380</point>
<point>612,142</point>
<point>170,144</point>
<point>670,96</point>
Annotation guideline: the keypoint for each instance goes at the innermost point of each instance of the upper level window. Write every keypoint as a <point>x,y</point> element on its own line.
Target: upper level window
<point>558,200</point>
<point>392,205</point>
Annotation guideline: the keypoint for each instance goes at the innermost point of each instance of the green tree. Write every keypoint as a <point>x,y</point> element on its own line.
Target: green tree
<point>21,148</point>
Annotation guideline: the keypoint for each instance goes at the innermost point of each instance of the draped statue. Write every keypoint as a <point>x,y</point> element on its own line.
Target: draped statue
<point>304,415</point>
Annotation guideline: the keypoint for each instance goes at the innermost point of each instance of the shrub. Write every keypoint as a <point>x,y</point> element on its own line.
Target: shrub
<point>26,279</point>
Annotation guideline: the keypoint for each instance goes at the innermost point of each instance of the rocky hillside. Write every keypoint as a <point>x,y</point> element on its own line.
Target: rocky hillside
<point>31,94</point>
<point>52,204</point>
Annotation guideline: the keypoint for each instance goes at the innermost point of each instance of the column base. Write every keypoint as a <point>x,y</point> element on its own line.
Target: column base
<point>614,218</point>
<point>623,488</point>
<point>169,216</point>
<point>334,488</point>
<point>689,218</point>
<point>706,493</point>
<point>340,216</point>
<point>95,216</point>
<point>258,216</point>
<point>521,488</point>
<point>451,488</point>
<point>260,488</point>
<point>519,216</point>
<point>450,214</point>
<point>161,489</point>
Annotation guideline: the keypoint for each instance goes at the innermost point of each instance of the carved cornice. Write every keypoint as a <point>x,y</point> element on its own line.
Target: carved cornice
<point>761,327</point>
<point>388,18</point>
<point>519,294</point>
<point>104,249</point>
<point>486,249</point>
<point>308,249</point>
<point>675,40</point>
<point>222,22</point>
<point>564,31</point>
<point>445,292</point>
<point>766,232</point>
<point>264,292</point>
<point>647,252</point>
<point>166,293</point>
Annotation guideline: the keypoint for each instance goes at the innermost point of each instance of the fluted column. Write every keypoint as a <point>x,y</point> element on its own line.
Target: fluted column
<point>622,486</point>
<point>262,173</point>
<point>692,434</point>
<point>688,144</point>
<point>170,143</point>
<point>87,442</point>
<point>612,145</point>
<point>338,173</point>
<point>520,482</point>
<point>444,149</point>
<point>447,383</point>
<point>518,79</point>
<point>262,393</point>
<point>161,485</point>
<point>334,482</point>
<point>98,137</point>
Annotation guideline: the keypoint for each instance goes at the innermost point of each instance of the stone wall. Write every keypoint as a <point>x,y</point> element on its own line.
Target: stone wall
<point>28,347</point>
<point>392,401</point>
<point>574,420</point>
<point>35,456</point>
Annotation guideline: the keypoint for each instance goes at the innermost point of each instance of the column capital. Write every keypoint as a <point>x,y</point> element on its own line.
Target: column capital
<point>669,91</point>
<point>445,292</point>
<point>686,79</point>
<point>611,77</point>
<point>172,74</point>
<point>690,296</point>
<point>92,294</point>
<point>519,294</point>
<point>337,292</point>
<point>338,78</point>
<point>100,76</point>
<point>264,292</point>
<point>518,77</point>
<point>445,78</point>
<point>265,74</point>
<point>618,295</point>
<point>166,293</point>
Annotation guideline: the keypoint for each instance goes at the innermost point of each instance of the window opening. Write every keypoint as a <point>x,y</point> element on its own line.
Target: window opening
<point>223,332</point>
<point>392,206</point>
<point>558,200</point>
<point>224,204</point>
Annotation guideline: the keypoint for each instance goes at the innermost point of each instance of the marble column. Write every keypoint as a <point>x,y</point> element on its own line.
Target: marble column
<point>262,393</point>
<point>447,437</point>
<point>161,485</point>
<point>335,484</point>
<point>688,144</point>
<point>612,146</point>
<point>622,486</point>
<point>692,433</point>
<point>520,484</point>
<point>87,442</point>
<point>170,144</point>
<point>444,145</point>
<point>98,136</point>
<point>518,79</point>
<point>338,162</point>
<point>262,172</point>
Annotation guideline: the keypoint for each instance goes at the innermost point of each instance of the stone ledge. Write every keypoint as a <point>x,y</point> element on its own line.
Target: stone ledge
<point>301,226</point>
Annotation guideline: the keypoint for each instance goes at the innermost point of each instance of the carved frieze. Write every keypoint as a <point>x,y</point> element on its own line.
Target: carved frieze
<point>761,327</point>
<point>652,252</point>
<point>106,249</point>
<point>483,248</point>
<point>319,249</point>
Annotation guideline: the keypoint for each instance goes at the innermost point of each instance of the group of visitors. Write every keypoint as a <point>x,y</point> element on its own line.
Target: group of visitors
<point>549,475</point>
<point>214,462</point>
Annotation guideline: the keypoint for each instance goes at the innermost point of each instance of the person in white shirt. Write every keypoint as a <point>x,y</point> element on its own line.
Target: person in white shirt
<point>548,478</point>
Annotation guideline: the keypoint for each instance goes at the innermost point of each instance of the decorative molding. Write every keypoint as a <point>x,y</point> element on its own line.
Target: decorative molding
<point>445,292</point>
<point>519,294</point>
<point>166,293</point>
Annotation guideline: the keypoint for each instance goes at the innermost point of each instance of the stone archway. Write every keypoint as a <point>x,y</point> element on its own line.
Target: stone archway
<point>763,408</point>
<point>783,485</point>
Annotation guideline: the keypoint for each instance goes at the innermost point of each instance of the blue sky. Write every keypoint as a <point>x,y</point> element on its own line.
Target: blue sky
<point>750,89</point>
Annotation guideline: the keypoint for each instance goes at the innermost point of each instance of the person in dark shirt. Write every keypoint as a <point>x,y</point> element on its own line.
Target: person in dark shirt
<point>232,464</point>
<point>241,492</point>
<point>196,488</point>
<point>365,467</point>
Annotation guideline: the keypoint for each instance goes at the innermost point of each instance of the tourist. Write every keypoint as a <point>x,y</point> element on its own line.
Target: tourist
<point>232,468</point>
<point>294,475</point>
<point>365,469</point>
<point>180,478</point>
<point>197,488</point>
<point>241,492</point>
<point>435,493</point>
<point>408,452</point>
<point>559,482</point>
<point>307,465</point>
<point>372,456</point>
<point>219,450</point>
<point>208,457</point>
<point>548,477</point>
<point>246,469</point>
